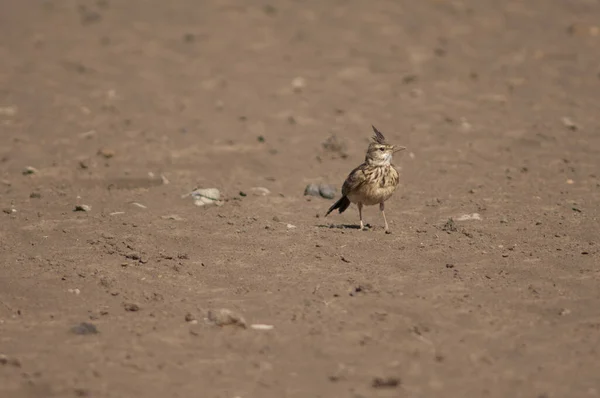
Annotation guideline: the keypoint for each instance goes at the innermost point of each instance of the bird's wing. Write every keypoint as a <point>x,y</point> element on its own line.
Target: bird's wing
<point>355,180</point>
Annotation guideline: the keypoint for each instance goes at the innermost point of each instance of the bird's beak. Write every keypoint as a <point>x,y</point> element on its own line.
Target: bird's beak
<point>398,148</point>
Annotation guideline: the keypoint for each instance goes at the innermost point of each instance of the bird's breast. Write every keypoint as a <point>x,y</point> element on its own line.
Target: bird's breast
<point>380,184</point>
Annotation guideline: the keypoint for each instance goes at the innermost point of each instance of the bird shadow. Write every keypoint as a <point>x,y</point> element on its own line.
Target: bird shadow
<point>344,226</point>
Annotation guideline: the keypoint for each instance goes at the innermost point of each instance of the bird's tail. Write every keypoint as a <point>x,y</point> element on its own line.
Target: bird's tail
<point>341,204</point>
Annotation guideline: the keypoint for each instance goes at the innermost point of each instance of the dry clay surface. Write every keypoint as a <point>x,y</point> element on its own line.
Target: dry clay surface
<point>487,287</point>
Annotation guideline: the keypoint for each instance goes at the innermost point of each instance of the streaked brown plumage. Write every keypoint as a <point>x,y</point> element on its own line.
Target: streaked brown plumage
<point>373,182</point>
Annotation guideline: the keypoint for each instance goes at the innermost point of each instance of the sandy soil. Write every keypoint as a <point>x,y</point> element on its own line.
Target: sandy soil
<point>497,102</point>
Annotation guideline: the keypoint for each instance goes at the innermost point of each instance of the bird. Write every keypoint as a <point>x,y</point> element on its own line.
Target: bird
<point>373,182</point>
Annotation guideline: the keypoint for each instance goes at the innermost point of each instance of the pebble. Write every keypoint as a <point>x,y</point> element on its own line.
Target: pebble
<point>74,291</point>
<point>568,123</point>
<point>206,196</point>
<point>224,317</point>
<point>173,217</point>
<point>467,217</point>
<point>291,226</point>
<point>29,170</point>
<point>189,317</point>
<point>388,382</point>
<point>312,190</point>
<point>106,153</point>
<point>564,311</point>
<point>298,84</point>
<point>84,328</point>
<point>82,208</point>
<point>260,191</point>
<point>131,307</point>
<point>258,326</point>
<point>327,191</point>
<point>6,360</point>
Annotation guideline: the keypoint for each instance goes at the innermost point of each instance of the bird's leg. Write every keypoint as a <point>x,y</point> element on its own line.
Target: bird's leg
<point>387,228</point>
<point>360,205</point>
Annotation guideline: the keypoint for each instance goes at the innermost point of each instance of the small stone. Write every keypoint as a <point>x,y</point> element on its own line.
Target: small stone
<point>327,191</point>
<point>225,317</point>
<point>260,191</point>
<point>35,195</point>
<point>243,194</point>
<point>6,360</point>
<point>568,123</point>
<point>173,217</point>
<point>85,208</point>
<point>189,317</point>
<point>131,307</point>
<point>258,326</point>
<point>30,170</point>
<point>564,311</point>
<point>290,226</point>
<point>106,153</point>
<point>467,217</point>
<point>387,382</point>
<point>449,226</point>
<point>298,84</point>
<point>312,190</point>
<point>207,196</point>
<point>84,328</point>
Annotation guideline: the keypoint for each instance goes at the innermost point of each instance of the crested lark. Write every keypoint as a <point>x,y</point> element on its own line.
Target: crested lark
<point>373,182</point>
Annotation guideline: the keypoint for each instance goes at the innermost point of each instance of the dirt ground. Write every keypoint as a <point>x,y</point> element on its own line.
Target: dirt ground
<point>488,286</point>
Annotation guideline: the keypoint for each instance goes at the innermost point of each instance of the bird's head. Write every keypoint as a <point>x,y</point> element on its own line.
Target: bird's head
<point>380,152</point>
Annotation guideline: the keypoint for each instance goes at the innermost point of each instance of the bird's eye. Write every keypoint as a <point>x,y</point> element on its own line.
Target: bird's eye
<point>381,149</point>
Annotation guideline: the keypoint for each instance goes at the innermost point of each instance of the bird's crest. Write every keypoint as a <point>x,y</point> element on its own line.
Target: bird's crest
<point>378,137</point>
